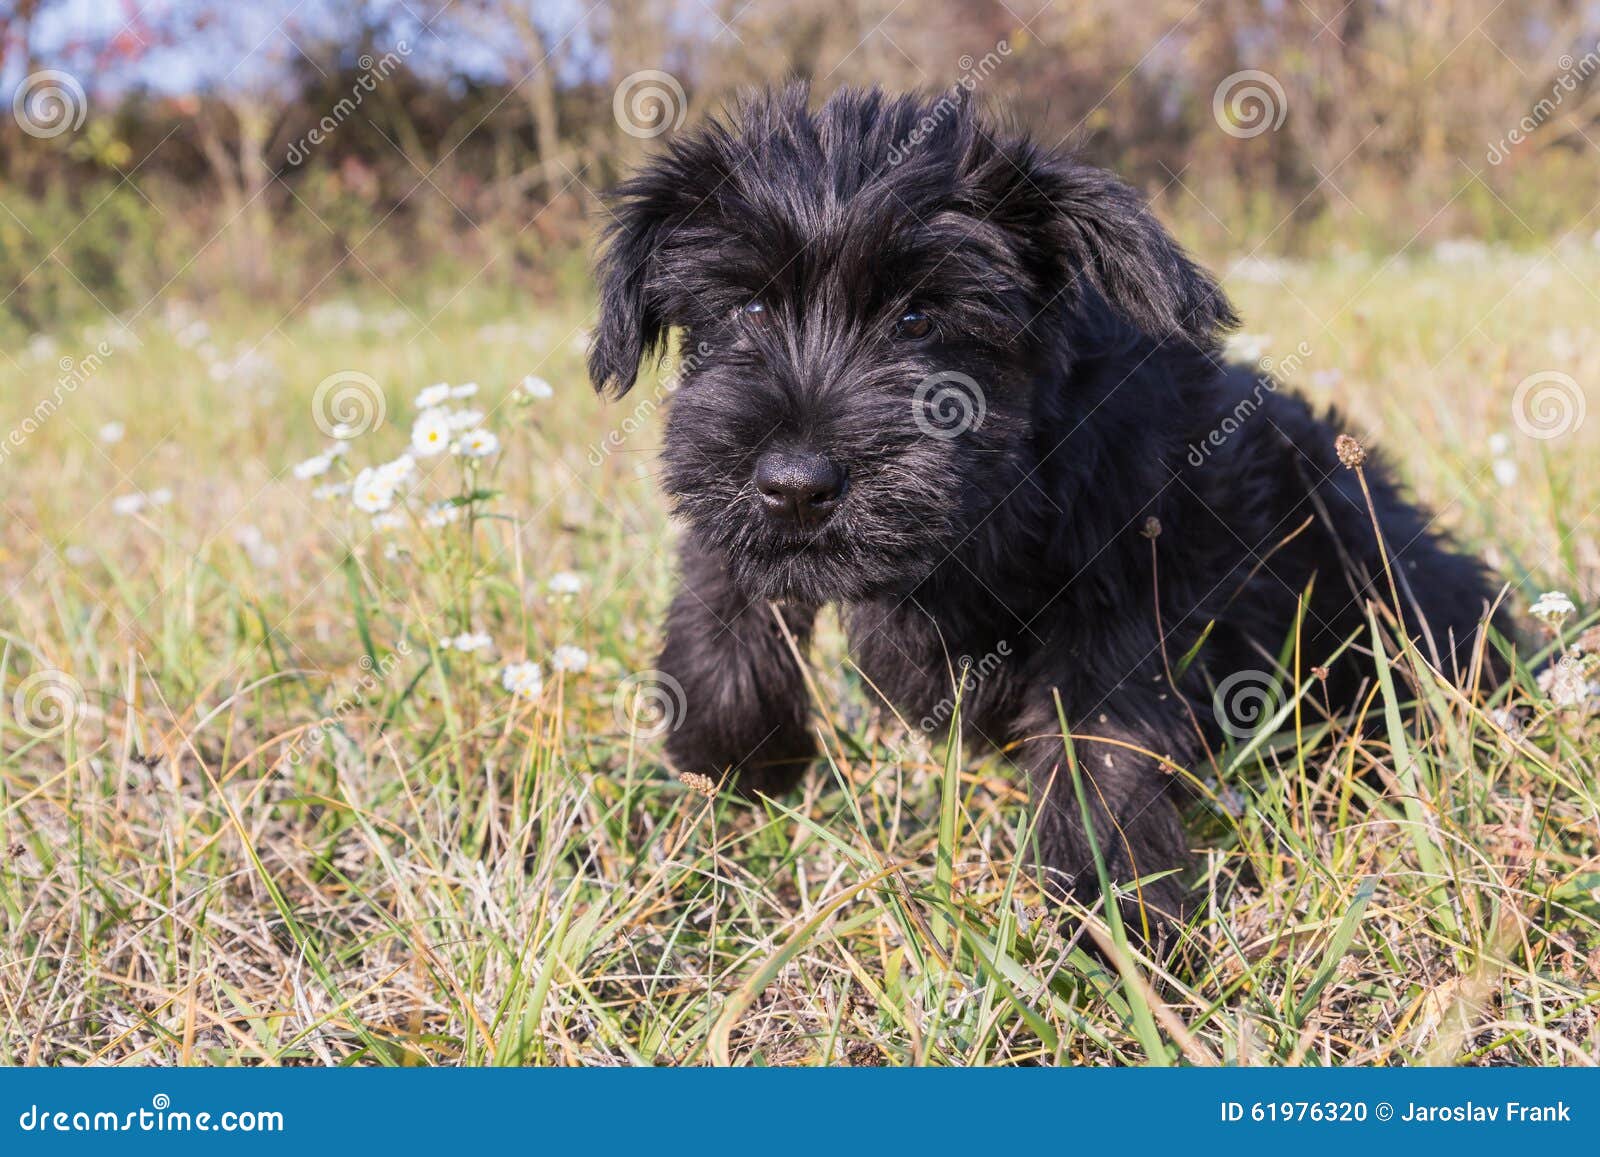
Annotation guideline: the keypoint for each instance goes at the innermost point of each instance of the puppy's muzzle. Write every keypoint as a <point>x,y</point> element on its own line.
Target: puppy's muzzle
<point>798,487</point>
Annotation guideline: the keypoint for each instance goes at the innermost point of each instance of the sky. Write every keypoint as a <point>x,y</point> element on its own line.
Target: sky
<point>182,46</point>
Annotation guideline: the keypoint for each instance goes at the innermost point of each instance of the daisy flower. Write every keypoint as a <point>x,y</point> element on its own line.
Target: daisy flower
<point>465,419</point>
<point>1552,608</point>
<point>402,469</point>
<point>126,504</point>
<point>112,432</point>
<point>464,391</point>
<point>524,679</point>
<point>1499,444</point>
<point>372,492</point>
<point>1505,472</point>
<point>442,514</point>
<point>572,659</point>
<point>476,444</point>
<point>565,583</point>
<point>330,490</point>
<point>430,433</point>
<point>388,520</point>
<point>534,386</point>
<point>435,395</point>
<point>470,641</point>
<point>313,467</point>
<point>1246,347</point>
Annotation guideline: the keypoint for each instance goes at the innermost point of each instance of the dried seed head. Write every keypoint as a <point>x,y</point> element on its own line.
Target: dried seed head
<point>1320,674</point>
<point>1152,527</point>
<point>1352,453</point>
<point>701,784</point>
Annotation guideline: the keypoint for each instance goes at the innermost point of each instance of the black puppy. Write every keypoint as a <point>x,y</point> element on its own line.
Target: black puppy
<point>972,392</point>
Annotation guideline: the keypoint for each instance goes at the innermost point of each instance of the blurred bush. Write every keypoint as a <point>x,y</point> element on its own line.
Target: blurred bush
<point>283,147</point>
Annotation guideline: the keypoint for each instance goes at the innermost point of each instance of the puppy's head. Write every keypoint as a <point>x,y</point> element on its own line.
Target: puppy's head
<point>870,295</point>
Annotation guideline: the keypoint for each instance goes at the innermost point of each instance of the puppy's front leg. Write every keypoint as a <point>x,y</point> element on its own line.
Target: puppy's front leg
<point>1131,806</point>
<point>745,704</point>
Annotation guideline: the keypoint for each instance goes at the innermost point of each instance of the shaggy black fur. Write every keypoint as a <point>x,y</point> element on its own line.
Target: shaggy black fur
<point>886,240</point>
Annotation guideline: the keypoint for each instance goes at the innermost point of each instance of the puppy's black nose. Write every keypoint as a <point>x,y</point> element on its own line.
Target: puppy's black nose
<point>799,486</point>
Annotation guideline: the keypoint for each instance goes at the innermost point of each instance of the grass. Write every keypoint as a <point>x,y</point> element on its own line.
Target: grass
<point>271,821</point>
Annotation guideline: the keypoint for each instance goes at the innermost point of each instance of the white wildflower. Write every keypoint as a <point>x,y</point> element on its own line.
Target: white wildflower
<point>565,583</point>
<point>465,419</point>
<point>1246,347</point>
<point>1499,444</point>
<point>470,641</point>
<point>160,496</point>
<point>313,467</point>
<point>112,432</point>
<point>372,491</point>
<point>398,472</point>
<point>430,433</point>
<point>476,444</point>
<point>465,390</point>
<point>260,552</point>
<point>572,659</point>
<point>1571,682</point>
<point>388,520</point>
<point>1505,472</point>
<point>193,334</point>
<point>435,395</point>
<point>126,504</point>
<point>442,514</point>
<point>1552,608</point>
<point>330,490</point>
<point>524,679</point>
<point>536,387</point>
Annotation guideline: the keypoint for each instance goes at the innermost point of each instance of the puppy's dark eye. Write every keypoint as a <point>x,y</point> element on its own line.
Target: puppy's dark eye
<point>756,313</point>
<point>914,325</point>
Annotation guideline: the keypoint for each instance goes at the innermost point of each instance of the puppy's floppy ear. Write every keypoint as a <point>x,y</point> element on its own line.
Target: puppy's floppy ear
<point>1098,232</point>
<point>631,323</point>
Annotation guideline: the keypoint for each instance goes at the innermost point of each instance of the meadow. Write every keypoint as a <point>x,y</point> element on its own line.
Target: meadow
<point>280,782</point>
